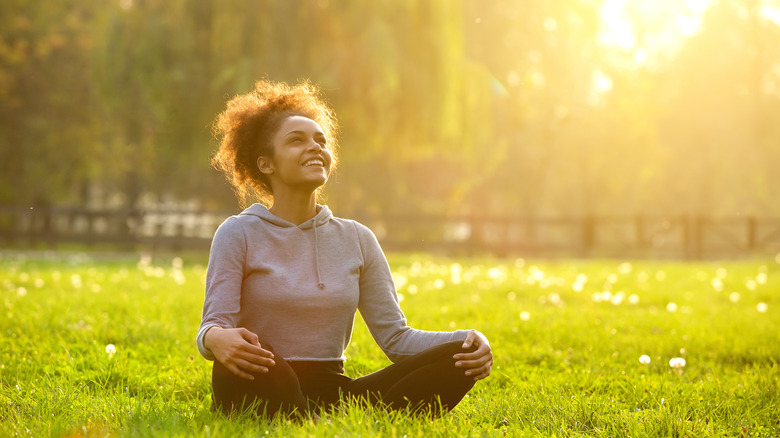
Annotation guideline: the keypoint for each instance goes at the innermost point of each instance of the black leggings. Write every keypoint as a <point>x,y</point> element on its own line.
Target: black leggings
<point>426,383</point>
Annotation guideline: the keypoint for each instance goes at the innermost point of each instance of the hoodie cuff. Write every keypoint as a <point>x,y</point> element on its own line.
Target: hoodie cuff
<point>205,352</point>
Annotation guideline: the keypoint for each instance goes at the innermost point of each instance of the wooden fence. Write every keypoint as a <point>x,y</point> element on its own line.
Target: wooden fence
<point>639,236</point>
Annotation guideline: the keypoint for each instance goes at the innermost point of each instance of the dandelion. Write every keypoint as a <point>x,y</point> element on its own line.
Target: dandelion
<point>21,291</point>
<point>110,350</point>
<point>412,289</point>
<point>750,284</point>
<point>612,278</point>
<point>644,359</point>
<point>496,273</point>
<point>39,283</point>
<point>511,296</point>
<point>671,307</point>
<point>761,278</point>
<point>625,268</point>
<point>179,278</point>
<point>721,273</point>
<point>660,275</point>
<point>762,307</point>
<point>177,263</point>
<point>633,299</point>
<point>677,363</point>
<point>734,297</point>
<point>438,283</point>
<point>75,281</point>
<point>717,284</point>
<point>144,262</point>
<point>525,316</point>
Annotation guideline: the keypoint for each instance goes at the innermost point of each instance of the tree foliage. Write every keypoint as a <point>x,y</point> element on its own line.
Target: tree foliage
<point>501,107</point>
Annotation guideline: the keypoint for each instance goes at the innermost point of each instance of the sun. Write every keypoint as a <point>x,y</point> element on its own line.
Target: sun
<point>645,27</point>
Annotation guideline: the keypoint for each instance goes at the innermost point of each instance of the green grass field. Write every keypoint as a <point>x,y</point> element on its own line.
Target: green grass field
<point>567,338</point>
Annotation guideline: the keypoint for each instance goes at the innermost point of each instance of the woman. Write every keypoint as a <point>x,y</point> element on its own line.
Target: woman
<point>285,278</point>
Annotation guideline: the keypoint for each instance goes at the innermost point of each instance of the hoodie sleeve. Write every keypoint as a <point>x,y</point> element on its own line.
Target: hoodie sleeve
<point>224,277</point>
<point>379,306</point>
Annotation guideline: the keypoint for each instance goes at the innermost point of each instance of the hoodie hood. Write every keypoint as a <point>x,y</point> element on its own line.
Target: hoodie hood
<point>321,218</point>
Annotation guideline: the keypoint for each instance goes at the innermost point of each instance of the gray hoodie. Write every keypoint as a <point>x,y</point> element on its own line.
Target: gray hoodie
<point>297,287</point>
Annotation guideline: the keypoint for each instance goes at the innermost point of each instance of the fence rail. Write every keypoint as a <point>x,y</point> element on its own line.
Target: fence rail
<point>641,236</point>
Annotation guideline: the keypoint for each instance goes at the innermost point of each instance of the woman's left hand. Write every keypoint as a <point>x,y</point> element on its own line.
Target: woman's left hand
<point>478,362</point>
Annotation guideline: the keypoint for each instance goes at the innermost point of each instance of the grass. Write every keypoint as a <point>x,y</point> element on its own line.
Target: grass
<point>567,337</point>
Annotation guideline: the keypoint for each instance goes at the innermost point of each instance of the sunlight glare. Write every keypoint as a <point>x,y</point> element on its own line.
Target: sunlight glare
<point>771,14</point>
<point>661,24</point>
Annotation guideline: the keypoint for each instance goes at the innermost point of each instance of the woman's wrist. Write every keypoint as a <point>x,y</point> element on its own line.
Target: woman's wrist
<point>206,336</point>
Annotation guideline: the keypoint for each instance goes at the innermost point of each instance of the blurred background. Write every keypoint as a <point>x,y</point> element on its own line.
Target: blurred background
<point>512,110</point>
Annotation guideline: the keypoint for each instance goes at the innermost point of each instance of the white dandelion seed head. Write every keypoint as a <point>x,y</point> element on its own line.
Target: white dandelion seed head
<point>644,359</point>
<point>734,297</point>
<point>717,284</point>
<point>110,350</point>
<point>633,299</point>
<point>525,316</point>
<point>676,362</point>
<point>671,307</point>
<point>762,307</point>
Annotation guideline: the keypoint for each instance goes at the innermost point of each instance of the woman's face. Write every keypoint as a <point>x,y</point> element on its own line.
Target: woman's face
<point>301,157</point>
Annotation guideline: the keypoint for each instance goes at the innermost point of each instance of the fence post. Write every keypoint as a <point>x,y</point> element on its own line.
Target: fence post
<point>588,234</point>
<point>751,233</point>
<point>639,230</point>
<point>698,237</point>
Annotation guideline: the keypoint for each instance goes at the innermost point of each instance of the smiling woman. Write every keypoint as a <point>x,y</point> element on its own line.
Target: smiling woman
<point>290,274</point>
<point>246,127</point>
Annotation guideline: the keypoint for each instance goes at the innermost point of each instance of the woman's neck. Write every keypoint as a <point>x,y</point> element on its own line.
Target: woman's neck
<point>294,209</point>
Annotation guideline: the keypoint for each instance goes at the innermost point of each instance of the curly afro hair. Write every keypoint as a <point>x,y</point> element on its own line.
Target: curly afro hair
<point>247,125</point>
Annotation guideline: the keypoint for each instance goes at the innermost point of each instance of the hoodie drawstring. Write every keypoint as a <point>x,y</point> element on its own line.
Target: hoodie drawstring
<point>320,284</point>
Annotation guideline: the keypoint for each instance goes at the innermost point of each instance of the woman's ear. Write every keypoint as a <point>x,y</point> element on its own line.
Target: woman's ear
<point>265,165</point>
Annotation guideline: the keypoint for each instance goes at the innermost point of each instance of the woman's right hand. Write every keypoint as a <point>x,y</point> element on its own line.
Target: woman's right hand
<point>239,351</point>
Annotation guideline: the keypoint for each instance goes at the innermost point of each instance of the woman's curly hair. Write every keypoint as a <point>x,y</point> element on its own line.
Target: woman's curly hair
<point>247,126</point>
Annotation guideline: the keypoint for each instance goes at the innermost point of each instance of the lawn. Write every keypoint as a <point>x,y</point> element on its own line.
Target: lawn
<point>103,345</point>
